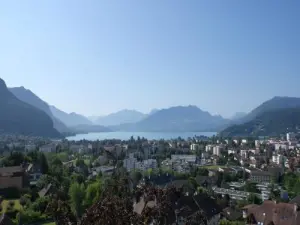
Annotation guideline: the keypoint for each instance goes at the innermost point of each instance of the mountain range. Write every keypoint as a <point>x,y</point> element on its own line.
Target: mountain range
<point>275,115</point>
<point>120,117</point>
<point>18,117</point>
<point>179,118</point>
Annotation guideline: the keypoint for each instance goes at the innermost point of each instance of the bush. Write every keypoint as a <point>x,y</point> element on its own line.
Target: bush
<point>40,204</point>
<point>11,203</point>
<point>1,207</point>
<point>23,201</point>
<point>12,213</point>
<point>30,216</point>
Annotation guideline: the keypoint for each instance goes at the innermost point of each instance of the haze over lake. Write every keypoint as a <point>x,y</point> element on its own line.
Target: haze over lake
<point>147,135</point>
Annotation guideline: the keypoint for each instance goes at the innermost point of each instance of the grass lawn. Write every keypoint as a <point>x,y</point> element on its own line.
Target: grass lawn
<point>49,223</point>
<point>5,202</point>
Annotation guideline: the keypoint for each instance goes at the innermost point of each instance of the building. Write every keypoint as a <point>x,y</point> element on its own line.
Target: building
<point>48,148</point>
<point>129,163</point>
<point>232,151</point>
<point>217,150</point>
<point>146,164</point>
<point>209,148</point>
<point>186,158</point>
<point>260,176</point>
<point>34,172</point>
<point>277,159</point>
<point>272,213</point>
<point>30,147</point>
<point>244,154</point>
<point>194,147</point>
<point>290,137</point>
<point>13,176</point>
<point>233,194</point>
<point>208,205</point>
<point>281,146</point>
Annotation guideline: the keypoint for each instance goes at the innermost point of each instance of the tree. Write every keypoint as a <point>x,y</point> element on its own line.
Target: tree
<point>253,199</point>
<point>77,194</point>
<point>93,193</point>
<point>43,163</point>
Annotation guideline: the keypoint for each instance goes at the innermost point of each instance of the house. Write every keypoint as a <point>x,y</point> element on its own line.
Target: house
<point>206,181</point>
<point>194,203</point>
<point>260,176</point>
<point>14,176</point>
<point>48,148</point>
<point>194,147</point>
<point>34,172</point>
<point>232,214</point>
<point>46,191</point>
<point>30,147</point>
<point>271,213</point>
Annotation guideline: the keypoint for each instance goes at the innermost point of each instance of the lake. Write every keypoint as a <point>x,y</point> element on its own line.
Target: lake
<point>147,135</point>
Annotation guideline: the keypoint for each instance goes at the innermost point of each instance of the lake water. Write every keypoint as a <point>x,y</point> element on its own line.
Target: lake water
<point>147,135</point>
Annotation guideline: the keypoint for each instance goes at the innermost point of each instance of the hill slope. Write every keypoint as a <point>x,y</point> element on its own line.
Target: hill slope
<point>30,98</point>
<point>180,118</point>
<point>70,119</point>
<point>18,117</point>
<point>271,105</point>
<point>121,117</point>
<point>271,123</point>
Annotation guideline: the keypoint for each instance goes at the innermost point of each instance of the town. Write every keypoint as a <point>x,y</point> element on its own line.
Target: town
<point>233,180</point>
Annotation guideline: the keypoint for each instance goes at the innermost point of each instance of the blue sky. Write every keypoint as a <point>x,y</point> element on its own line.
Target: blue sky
<point>97,57</point>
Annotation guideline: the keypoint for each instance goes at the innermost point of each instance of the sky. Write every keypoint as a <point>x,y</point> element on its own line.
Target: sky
<point>97,57</point>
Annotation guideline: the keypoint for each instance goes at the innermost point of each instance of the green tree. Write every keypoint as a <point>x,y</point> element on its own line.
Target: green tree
<point>77,195</point>
<point>93,192</point>
<point>43,163</point>
<point>254,199</point>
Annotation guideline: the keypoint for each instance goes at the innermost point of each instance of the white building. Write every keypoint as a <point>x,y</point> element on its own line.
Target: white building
<point>290,136</point>
<point>194,147</point>
<point>244,141</point>
<point>48,148</point>
<point>217,150</point>
<point>186,158</point>
<point>30,147</point>
<point>129,164</point>
<point>209,148</point>
<point>278,159</point>
<point>282,146</point>
<point>244,154</point>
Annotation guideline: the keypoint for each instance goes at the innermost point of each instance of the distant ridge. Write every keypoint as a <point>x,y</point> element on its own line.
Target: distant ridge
<point>70,119</point>
<point>30,98</point>
<point>18,117</point>
<point>273,117</point>
<point>178,118</point>
<point>120,117</point>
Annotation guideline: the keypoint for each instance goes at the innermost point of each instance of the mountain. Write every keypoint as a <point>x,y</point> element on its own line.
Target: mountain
<point>18,117</point>
<point>270,123</point>
<point>153,111</point>
<point>238,116</point>
<point>121,117</point>
<point>89,129</point>
<point>270,105</point>
<point>30,98</point>
<point>93,118</point>
<point>179,118</point>
<point>70,119</point>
